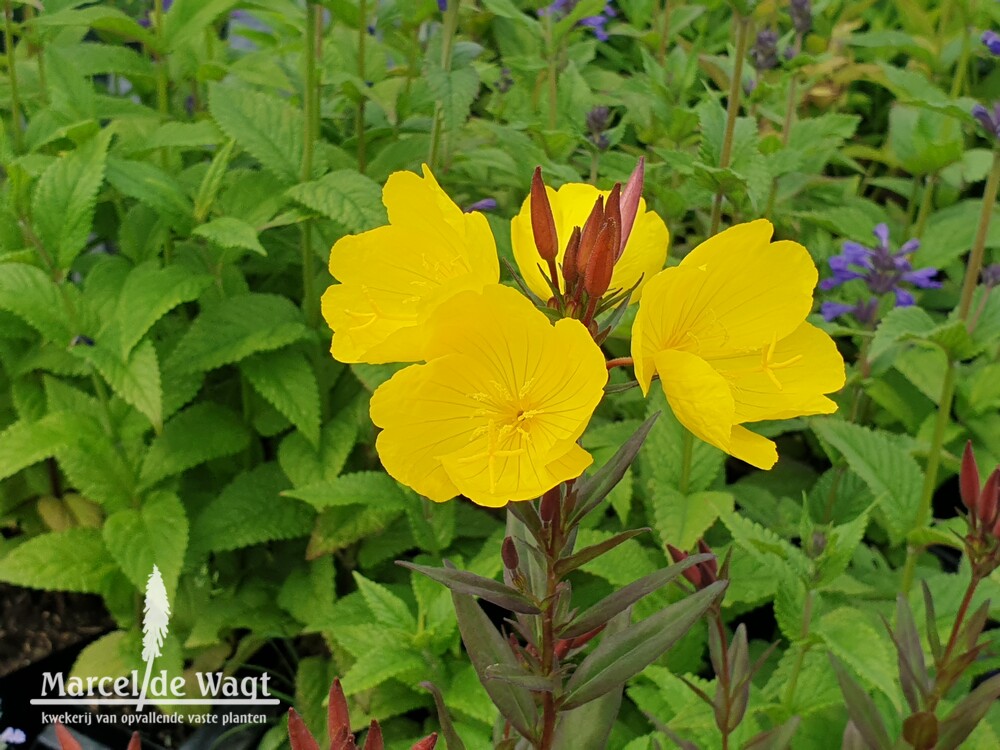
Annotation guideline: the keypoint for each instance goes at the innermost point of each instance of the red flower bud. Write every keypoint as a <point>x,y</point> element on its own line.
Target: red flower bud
<point>543,225</point>
<point>338,717</point>
<point>968,479</point>
<point>589,236</point>
<point>602,259</point>
<point>427,743</point>
<point>613,209</point>
<point>710,568</point>
<point>374,739</point>
<point>135,743</point>
<point>298,734</point>
<point>989,499</point>
<point>630,201</point>
<point>569,269</point>
<point>693,574</point>
<point>508,553</point>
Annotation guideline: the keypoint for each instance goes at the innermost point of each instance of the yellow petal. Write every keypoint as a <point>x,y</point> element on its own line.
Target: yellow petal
<point>392,277</point>
<point>787,382</point>
<point>755,449</point>
<point>699,397</point>
<point>644,255</point>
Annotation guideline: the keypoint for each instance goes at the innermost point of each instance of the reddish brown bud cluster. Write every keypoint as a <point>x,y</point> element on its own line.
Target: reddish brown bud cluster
<point>339,728</point>
<point>701,574</point>
<point>565,645</point>
<point>983,503</point>
<point>592,250</point>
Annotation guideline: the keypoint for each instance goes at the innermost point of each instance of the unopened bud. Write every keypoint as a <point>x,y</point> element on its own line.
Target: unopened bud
<point>589,235</point>
<point>693,574</point>
<point>549,507</point>
<point>613,209</point>
<point>569,269</point>
<point>427,743</point>
<point>989,499</point>
<point>543,225</point>
<point>968,479</point>
<point>602,259</point>
<point>630,201</point>
<point>710,568</point>
<point>508,553</point>
<point>374,741</point>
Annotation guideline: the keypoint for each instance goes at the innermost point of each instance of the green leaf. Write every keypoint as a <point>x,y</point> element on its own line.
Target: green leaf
<point>841,543</point>
<point>72,560</point>
<point>306,465</point>
<point>682,521</point>
<point>152,186</point>
<point>136,381</point>
<point>286,379</point>
<point>28,293</point>
<point>237,327</point>
<point>267,127</point>
<point>924,141</point>
<point>859,645</point>
<point>150,292</point>
<point>348,198</point>
<point>230,233</point>
<point>454,91</point>
<point>767,547</point>
<point>862,710</point>
<point>25,443</point>
<point>340,527</point>
<point>621,656</point>
<point>187,19</point>
<point>66,196</point>
<point>471,584</point>
<point>212,181</point>
<point>387,608</point>
<point>891,473</point>
<point>380,664</point>
<point>663,455</point>
<point>182,444</point>
<point>155,533</point>
<point>94,464</point>
<point>251,510</point>
<point>371,488</point>
<point>309,593</point>
<point>897,324</point>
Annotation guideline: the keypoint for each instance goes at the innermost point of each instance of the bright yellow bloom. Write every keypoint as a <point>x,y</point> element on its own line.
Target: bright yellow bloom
<point>726,332</point>
<point>496,412</point>
<point>644,255</point>
<point>392,278</point>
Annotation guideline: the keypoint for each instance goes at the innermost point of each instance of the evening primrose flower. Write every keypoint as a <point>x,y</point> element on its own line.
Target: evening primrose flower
<point>496,412</point>
<point>393,277</point>
<point>644,252</point>
<point>726,333</point>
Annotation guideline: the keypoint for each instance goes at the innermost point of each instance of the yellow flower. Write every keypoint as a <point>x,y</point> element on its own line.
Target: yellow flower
<point>726,332</point>
<point>392,278</point>
<point>496,412</point>
<point>645,251</point>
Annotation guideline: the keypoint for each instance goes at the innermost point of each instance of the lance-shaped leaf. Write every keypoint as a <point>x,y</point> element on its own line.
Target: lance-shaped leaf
<point>464,582</point>
<point>779,738</point>
<point>528,515</point>
<point>861,709</point>
<point>591,491</point>
<point>623,655</point>
<point>910,654</point>
<point>964,717</point>
<point>611,605</point>
<point>298,734</point>
<point>487,647</point>
<point>584,556</point>
<point>932,633</point>
<point>444,718</point>
<point>515,675</point>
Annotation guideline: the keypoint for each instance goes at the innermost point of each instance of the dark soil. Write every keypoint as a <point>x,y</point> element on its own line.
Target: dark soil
<point>35,624</point>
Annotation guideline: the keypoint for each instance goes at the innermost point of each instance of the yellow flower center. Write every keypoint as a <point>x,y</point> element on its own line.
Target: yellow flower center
<point>493,450</point>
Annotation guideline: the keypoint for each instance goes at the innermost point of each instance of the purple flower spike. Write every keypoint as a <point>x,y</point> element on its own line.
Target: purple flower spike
<point>883,271</point>
<point>598,23</point>
<point>442,5</point>
<point>486,204</point>
<point>991,275</point>
<point>992,41</point>
<point>989,120</point>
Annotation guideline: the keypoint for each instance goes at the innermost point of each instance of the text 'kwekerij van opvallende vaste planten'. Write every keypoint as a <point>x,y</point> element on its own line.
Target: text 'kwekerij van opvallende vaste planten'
<point>516,374</point>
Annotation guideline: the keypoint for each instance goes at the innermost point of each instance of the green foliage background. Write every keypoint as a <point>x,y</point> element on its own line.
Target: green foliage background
<point>166,393</point>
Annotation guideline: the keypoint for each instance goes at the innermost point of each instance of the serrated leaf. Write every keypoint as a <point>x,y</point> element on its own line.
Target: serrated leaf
<point>93,463</point>
<point>340,527</point>
<point>779,555</point>
<point>306,465</point>
<point>371,488</point>
<point>682,520</point>
<point>66,196</point>
<point>286,379</point>
<point>152,186</point>
<point>155,533</point>
<point>27,292</point>
<point>841,543</point>
<point>231,233</point>
<point>898,323</point>
<point>149,293</point>
<point>381,664</point>
<point>136,381</point>
<point>309,594</point>
<point>237,327</point>
<point>72,560</point>
<point>25,442</point>
<point>662,456</point>
<point>891,473</point>
<point>860,646</point>
<point>268,128</point>
<point>454,91</point>
<point>251,510</point>
<point>212,181</point>
<point>182,444</point>
<point>348,198</point>
<point>388,609</point>
<point>187,19</point>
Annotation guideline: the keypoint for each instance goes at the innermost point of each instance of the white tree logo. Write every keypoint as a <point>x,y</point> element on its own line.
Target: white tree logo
<point>156,614</point>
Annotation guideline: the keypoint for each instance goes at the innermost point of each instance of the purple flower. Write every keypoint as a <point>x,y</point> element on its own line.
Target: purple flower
<point>801,13</point>
<point>992,41</point>
<point>882,270</point>
<point>991,275</point>
<point>765,51</point>
<point>486,204</point>
<point>442,5</point>
<point>598,24</point>
<point>989,120</point>
<point>13,736</point>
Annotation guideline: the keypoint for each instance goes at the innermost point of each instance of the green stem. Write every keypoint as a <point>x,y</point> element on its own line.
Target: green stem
<point>15,98</point>
<point>661,50</point>
<point>786,131</point>
<point>926,203</point>
<point>310,105</point>
<point>553,73</point>
<point>359,121</point>
<point>162,74</point>
<point>941,687</point>
<point>450,27</point>
<point>800,656</point>
<point>732,110</point>
<point>979,244</point>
